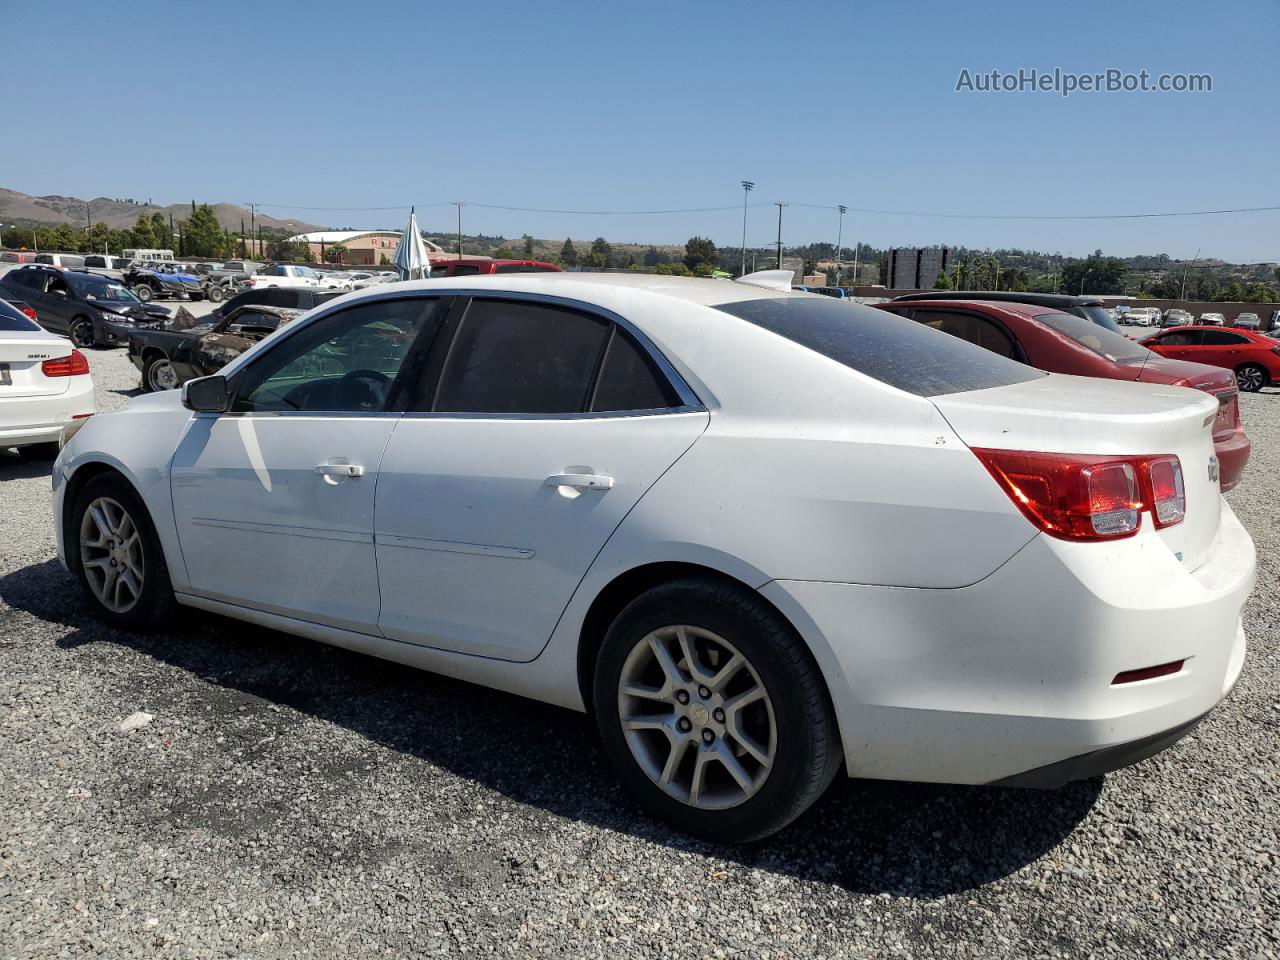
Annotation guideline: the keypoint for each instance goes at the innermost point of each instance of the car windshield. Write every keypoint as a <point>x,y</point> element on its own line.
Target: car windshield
<point>902,353</point>
<point>1113,346</point>
<point>92,287</point>
<point>1099,315</point>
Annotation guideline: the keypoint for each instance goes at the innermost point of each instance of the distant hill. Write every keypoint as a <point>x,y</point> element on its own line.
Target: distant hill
<point>24,209</point>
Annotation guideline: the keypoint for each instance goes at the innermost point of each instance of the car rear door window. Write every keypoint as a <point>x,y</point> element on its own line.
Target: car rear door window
<point>1183,338</point>
<point>978,330</point>
<point>512,357</point>
<point>1221,338</point>
<point>630,380</point>
<point>899,352</point>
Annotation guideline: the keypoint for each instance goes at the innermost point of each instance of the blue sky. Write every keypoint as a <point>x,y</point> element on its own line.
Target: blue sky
<point>661,105</point>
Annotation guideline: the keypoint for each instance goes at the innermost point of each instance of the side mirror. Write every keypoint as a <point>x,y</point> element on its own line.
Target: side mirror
<point>206,394</point>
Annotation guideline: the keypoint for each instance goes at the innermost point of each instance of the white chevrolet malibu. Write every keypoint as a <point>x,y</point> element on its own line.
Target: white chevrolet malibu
<point>44,385</point>
<point>759,535</point>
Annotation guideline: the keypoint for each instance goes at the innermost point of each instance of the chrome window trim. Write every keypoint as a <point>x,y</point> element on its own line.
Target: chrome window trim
<point>689,400</point>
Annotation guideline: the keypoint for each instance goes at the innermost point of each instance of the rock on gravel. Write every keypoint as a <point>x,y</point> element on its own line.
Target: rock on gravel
<point>297,800</point>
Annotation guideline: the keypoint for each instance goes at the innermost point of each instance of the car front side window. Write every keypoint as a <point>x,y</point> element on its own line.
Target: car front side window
<point>346,362</point>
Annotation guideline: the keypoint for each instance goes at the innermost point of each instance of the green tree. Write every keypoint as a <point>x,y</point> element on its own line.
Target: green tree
<point>336,253</point>
<point>504,253</point>
<point>653,256</point>
<point>161,232</point>
<point>528,246</point>
<point>289,251</point>
<point>602,252</point>
<point>202,234</point>
<point>1260,293</point>
<point>699,250</point>
<point>943,282</point>
<point>568,254</point>
<point>1096,274</point>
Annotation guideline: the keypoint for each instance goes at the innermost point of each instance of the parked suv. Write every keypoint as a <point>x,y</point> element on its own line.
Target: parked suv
<point>91,310</point>
<point>1093,309</point>
<point>60,259</point>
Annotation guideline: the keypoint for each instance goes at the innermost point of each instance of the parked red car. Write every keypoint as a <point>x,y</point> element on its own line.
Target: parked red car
<point>465,266</point>
<point>1253,356</point>
<point>1061,343</point>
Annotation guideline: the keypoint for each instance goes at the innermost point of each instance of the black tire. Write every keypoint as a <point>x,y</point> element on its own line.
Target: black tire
<point>808,753</point>
<point>155,604</point>
<point>1250,377</point>
<point>150,373</point>
<point>80,331</point>
<point>39,451</point>
<point>215,294</point>
<point>144,292</point>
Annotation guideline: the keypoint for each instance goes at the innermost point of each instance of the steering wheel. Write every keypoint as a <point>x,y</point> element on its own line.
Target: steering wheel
<point>361,390</point>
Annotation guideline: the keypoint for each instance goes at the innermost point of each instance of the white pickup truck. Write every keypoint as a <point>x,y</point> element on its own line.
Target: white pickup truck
<point>291,275</point>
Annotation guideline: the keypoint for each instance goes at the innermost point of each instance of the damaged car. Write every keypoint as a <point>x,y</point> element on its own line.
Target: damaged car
<point>151,280</point>
<point>187,348</point>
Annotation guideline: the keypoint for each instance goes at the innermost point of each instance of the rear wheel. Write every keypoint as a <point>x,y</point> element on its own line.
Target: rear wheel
<point>215,294</point>
<point>116,555</point>
<point>81,332</point>
<point>713,712</point>
<point>158,374</point>
<point>1251,378</point>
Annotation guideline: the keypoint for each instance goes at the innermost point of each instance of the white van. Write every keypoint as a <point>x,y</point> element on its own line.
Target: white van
<point>60,259</point>
<point>147,254</point>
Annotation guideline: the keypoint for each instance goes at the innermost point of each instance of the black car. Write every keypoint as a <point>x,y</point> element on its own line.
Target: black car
<point>168,358</point>
<point>289,298</point>
<point>91,310</point>
<point>1093,309</point>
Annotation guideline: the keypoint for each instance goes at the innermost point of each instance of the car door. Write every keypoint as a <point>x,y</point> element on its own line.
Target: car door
<point>57,302</point>
<point>538,427</point>
<point>1222,348</point>
<point>274,499</point>
<point>1176,344</point>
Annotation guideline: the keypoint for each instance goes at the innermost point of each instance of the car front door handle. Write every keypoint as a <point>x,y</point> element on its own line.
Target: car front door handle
<point>580,481</point>
<point>328,470</point>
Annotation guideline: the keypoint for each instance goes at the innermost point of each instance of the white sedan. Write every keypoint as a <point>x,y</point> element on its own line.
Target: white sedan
<point>763,537</point>
<point>44,385</point>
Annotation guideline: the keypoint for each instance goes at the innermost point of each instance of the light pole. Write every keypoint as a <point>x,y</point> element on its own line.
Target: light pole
<point>779,205</point>
<point>840,239</point>
<point>747,187</point>
<point>458,204</point>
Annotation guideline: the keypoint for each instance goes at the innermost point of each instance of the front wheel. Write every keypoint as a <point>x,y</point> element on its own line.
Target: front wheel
<point>144,292</point>
<point>215,294</point>
<point>116,555</point>
<point>81,332</point>
<point>158,374</point>
<point>713,712</point>
<point>1251,378</point>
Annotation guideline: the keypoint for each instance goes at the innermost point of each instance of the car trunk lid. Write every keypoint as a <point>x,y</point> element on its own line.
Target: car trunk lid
<point>1079,415</point>
<point>21,355</point>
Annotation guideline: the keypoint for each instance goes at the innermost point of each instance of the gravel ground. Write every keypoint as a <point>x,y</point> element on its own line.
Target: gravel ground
<point>290,799</point>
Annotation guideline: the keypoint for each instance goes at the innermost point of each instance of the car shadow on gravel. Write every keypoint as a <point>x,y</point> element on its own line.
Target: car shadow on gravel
<point>14,467</point>
<point>868,837</point>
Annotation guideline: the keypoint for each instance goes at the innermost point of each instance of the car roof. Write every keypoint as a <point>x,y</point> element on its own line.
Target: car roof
<point>1029,310</point>
<point>1040,299</point>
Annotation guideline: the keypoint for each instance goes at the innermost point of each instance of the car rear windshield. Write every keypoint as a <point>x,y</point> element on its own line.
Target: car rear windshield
<point>1113,346</point>
<point>12,320</point>
<point>904,354</point>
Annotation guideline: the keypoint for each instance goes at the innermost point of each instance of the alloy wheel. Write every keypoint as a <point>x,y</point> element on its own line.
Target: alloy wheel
<point>162,376</point>
<point>82,333</point>
<point>697,717</point>
<point>111,555</point>
<point>1249,379</point>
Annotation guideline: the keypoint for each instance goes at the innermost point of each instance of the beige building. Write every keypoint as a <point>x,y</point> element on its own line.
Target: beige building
<point>360,247</point>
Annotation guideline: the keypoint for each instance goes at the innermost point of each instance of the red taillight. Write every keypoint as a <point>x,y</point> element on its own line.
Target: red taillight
<point>30,312</point>
<point>73,365</point>
<point>1076,497</point>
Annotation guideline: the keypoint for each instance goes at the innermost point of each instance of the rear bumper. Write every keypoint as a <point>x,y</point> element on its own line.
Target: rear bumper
<point>1233,454</point>
<point>995,681</point>
<point>28,420</point>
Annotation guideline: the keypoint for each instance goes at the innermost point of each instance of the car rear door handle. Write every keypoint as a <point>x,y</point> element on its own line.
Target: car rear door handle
<point>580,481</point>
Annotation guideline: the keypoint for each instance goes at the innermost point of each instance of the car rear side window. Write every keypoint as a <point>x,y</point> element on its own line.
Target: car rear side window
<point>512,357</point>
<point>1220,338</point>
<point>902,353</point>
<point>971,327</point>
<point>630,380</point>
<point>1113,346</point>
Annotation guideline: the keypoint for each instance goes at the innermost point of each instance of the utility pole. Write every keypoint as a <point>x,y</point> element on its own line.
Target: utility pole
<point>779,205</point>
<point>747,187</point>
<point>459,205</point>
<point>840,239</point>
<point>253,228</point>
<point>1182,293</point>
